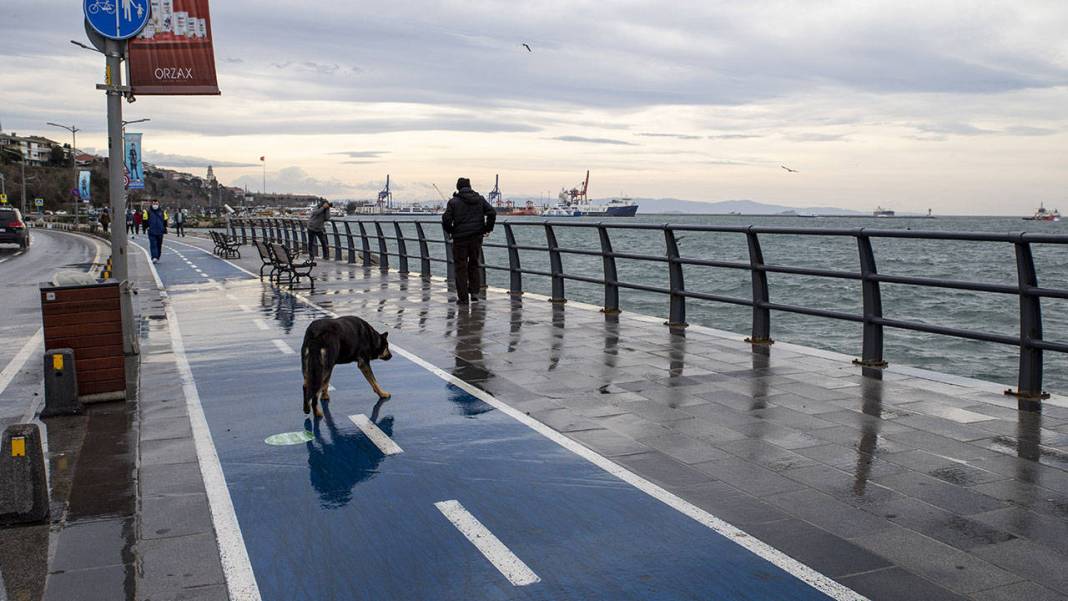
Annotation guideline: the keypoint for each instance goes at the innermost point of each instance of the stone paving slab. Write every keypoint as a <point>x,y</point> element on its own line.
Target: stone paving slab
<point>901,483</point>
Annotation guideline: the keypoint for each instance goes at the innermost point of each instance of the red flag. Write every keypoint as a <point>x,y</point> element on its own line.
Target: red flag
<point>263,158</point>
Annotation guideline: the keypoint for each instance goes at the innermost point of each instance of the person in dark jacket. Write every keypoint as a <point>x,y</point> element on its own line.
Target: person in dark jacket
<point>468,218</point>
<point>130,222</point>
<point>105,220</point>
<point>317,227</point>
<point>179,223</point>
<point>156,227</point>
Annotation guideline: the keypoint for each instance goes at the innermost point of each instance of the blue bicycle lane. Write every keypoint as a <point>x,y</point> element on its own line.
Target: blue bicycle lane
<point>337,518</point>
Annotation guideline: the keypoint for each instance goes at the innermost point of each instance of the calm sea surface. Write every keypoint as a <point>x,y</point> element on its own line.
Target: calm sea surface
<point>976,261</point>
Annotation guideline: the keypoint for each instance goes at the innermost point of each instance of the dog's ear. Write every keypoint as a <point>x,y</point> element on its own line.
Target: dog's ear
<point>385,335</point>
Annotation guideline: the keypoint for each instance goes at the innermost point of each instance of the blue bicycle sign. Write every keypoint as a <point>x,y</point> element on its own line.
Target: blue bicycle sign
<point>117,19</point>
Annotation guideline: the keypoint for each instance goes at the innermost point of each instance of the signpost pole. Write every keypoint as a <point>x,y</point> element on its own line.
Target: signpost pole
<point>117,191</point>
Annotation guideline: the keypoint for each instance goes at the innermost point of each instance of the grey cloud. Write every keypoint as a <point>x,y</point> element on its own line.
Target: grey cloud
<point>592,140</point>
<point>362,154</point>
<point>733,136</point>
<point>957,129</point>
<point>185,161</point>
<point>295,180</point>
<point>666,135</point>
<point>1023,130</point>
<point>816,137</point>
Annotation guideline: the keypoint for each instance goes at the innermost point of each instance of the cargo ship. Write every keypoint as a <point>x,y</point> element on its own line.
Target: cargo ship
<point>576,203</point>
<point>1044,214</point>
<point>881,212</point>
<point>507,207</point>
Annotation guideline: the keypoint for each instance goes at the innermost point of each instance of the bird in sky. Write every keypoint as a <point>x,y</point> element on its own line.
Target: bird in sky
<point>788,169</point>
<point>527,46</point>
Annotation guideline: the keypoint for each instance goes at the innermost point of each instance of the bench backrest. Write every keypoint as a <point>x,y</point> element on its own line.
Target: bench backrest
<point>282,253</point>
<point>264,250</point>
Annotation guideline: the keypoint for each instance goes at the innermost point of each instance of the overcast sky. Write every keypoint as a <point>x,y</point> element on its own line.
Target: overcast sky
<point>958,106</point>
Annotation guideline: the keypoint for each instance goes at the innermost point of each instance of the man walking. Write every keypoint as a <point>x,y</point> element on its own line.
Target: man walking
<point>130,222</point>
<point>179,223</point>
<point>156,226</point>
<point>468,218</point>
<point>138,220</point>
<point>105,220</point>
<point>317,227</point>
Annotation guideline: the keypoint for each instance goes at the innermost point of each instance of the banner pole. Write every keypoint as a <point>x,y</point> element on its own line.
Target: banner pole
<point>117,192</point>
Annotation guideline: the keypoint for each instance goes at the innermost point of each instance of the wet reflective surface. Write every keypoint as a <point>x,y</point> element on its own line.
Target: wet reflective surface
<point>896,484</point>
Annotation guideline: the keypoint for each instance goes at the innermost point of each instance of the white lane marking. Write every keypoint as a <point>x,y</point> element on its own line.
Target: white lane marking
<point>489,545</point>
<point>12,256</point>
<point>245,308</point>
<point>240,581</point>
<point>283,347</point>
<point>231,297</point>
<point>784,562</point>
<point>377,436</point>
<point>20,359</point>
<point>261,324</point>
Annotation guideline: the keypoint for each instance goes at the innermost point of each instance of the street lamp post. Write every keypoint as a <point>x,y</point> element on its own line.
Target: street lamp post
<point>125,123</point>
<point>73,159</point>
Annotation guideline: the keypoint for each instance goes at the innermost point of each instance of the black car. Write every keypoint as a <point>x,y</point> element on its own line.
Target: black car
<point>13,229</point>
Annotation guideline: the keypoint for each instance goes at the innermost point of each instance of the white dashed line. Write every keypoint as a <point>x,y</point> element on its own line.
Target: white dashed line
<point>261,324</point>
<point>282,346</point>
<point>377,436</point>
<point>489,545</point>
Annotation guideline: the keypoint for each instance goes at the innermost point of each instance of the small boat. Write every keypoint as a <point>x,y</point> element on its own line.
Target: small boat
<point>881,212</point>
<point>1044,214</point>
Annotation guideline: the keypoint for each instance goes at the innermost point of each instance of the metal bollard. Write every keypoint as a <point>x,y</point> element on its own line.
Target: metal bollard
<point>60,384</point>
<point>23,484</point>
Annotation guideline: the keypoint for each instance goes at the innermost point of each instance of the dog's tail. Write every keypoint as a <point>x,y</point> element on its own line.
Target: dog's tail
<point>312,357</point>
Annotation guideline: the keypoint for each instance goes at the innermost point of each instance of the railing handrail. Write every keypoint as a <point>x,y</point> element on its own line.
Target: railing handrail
<point>1029,339</point>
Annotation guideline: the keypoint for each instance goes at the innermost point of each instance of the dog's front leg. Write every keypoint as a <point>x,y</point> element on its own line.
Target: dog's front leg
<point>365,368</point>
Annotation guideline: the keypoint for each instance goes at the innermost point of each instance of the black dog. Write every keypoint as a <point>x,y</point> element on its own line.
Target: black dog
<point>328,342</point>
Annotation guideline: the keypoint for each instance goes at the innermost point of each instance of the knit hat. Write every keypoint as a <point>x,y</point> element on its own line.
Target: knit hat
<point>462,183</point>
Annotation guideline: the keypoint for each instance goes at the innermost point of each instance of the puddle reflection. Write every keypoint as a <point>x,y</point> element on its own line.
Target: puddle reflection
<point>339,460</point>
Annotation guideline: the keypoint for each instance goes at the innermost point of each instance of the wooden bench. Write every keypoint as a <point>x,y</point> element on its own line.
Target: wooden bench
<point>268,259</point>
<point>225,246</point>
<point>290,265</point>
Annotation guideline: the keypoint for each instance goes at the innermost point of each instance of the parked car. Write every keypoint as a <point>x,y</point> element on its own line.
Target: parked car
<point>13,229</point>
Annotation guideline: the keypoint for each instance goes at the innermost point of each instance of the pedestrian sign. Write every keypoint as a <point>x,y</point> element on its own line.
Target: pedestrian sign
<point>117,19</point>
<point>3,199</point>
<point>38,202</point>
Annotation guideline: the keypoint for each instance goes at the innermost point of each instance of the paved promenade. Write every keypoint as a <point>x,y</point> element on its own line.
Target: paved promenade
<point>540,451</point>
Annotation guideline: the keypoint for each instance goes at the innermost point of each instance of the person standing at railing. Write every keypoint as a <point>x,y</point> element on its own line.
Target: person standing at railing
<point>317,227</point>
<point>468,219</point>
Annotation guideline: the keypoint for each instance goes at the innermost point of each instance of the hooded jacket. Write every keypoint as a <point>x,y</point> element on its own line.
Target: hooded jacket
<point>468,215</point>
<point>157,221</point>
<point>318,217</point>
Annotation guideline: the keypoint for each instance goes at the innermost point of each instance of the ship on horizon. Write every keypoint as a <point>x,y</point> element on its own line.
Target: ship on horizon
<point>1044,214</point>
<point>576,203</point>
<point>881,212</point>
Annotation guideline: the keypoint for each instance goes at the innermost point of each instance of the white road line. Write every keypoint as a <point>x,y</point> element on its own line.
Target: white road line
<point>261,324</point>
<point>245,308</point>
<point>489,545</point>
<point>377,436</point>
<point>799,570</point>
<point>240,580</point>
<point>20,359</point>
<point>282,346</point>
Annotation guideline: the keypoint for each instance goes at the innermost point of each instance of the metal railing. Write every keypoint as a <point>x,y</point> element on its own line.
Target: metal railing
<point>1030,341</point>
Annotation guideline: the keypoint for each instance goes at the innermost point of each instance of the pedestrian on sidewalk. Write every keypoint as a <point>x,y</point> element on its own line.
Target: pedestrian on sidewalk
<point>156,224</point>
<point>130,222</point>
<point>468,219</point>
<point>179,223</point>
<point>105,220</point>
<point>138,219</point>
<point>317,227</point>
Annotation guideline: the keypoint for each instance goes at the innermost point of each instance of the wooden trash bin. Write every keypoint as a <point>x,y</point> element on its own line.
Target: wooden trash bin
<point>88,319</point>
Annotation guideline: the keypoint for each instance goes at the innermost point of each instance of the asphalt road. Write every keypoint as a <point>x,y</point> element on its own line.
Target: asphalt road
<point>20,316</point>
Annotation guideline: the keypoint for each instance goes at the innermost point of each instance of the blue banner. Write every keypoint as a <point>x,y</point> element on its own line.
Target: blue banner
<point>83,186</point>
<point>131,156</point>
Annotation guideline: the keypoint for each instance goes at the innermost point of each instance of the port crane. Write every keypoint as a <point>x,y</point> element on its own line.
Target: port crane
<point>385,197</point>
<point>579,196</point>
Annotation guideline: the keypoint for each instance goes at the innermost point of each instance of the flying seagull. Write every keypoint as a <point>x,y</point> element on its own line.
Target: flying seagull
<point>788,169</point>
<point>527,46</point>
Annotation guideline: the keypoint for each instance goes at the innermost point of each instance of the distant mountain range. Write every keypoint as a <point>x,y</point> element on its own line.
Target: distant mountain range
<point>723,207</point>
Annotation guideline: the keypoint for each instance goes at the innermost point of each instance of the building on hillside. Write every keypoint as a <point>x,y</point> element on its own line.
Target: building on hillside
<point>85,160</point>
<point>36,150</point>
<point>211,175</point>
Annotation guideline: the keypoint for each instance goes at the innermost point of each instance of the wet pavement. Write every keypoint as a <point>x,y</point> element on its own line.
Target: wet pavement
<point>898,484</point>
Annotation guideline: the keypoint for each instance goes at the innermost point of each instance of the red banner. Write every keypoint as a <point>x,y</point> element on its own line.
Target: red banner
<point>174,55</point>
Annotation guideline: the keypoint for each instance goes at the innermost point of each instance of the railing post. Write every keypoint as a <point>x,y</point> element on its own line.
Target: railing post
<point>402,249</point>
<point>383,257</point>
<point>872,348</point>
<point>761,332</point>
<point>424,252</point>
<point>285,231</point>
<point>611,279</point>
<point>515,279</point>
<point>1029,392</point>
<point>450,259</point>
<point>301,226</point>
<point>244,234</point>
<point>351,243</point>
<point>365,245</point>
<point>337,241</point>
<point>233,228</point>
<point>556,266</point>
<point>276,229</point>
<point>677,309</point>
<point>263,228</point>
